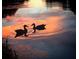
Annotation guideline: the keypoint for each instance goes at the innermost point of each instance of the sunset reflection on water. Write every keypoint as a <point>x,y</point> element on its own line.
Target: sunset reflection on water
<point>53,24</point>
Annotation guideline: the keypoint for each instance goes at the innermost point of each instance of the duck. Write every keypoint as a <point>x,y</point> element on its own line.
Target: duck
<point>20,32</point>
<point>38,27</point>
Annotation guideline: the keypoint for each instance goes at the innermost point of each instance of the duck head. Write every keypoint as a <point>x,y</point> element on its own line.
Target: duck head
<point>25,26</point>
<point>33,24</point>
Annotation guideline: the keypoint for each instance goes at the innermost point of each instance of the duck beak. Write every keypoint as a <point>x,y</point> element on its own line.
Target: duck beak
<point>27,26</point>
<point>32,25</point>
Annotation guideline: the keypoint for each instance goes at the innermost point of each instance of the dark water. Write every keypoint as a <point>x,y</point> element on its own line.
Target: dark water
<point>10,12</point>
<point>61,46</point>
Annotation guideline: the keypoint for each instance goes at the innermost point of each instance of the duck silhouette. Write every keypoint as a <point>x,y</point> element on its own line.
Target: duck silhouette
<point>20,32</point>
<point>39,27</point>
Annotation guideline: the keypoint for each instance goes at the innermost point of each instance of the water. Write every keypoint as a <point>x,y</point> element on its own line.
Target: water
<point>59,46</point>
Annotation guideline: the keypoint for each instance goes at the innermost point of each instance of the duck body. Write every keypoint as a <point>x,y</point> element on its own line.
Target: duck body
<point>39,27</point>
<point>20,32</point>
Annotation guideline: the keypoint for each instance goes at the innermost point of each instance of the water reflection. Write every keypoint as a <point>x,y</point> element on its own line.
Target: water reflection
<point>51,44</point>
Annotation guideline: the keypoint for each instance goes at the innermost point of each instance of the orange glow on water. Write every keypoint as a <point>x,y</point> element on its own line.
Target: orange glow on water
<point>53,24</point>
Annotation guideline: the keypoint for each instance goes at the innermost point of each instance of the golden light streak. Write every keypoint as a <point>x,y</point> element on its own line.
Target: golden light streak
<point>37,3</point>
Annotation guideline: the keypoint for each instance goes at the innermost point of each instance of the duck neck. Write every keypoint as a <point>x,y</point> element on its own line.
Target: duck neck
<point>34,26</point>
<point>25,28</point>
